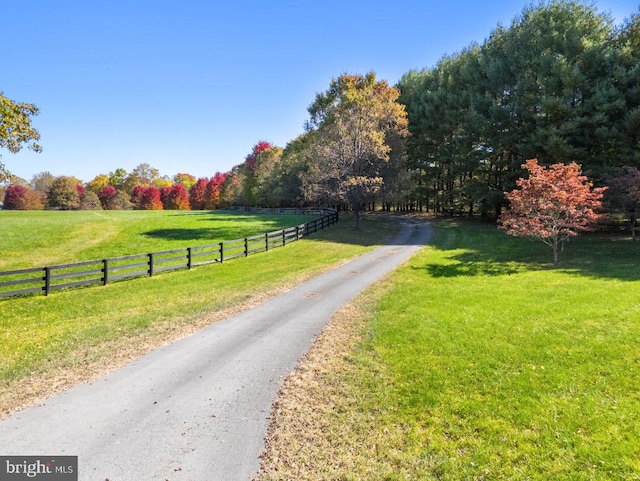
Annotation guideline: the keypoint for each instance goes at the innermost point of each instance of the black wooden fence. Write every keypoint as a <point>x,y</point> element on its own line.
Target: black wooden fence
<point>103,271</point>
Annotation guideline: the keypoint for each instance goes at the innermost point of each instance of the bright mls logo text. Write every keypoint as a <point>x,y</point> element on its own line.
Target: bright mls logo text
<point>52,468</point>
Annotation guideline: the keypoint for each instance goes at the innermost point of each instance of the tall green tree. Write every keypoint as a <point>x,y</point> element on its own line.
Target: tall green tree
<point>264,189</point>
<point>16,129</point>
<point>627,75</point>
<point>117,179</point>
<point>287,174</point>
<point>550,85</point>
<point>353,129</point>
<point>254,171</point>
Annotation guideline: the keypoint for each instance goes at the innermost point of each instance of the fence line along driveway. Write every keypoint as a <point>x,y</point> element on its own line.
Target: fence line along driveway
<point>198,409</point>
<point>102,271</point>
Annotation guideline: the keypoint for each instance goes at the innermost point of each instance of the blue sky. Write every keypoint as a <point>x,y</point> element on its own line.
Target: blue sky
<point>191,85</point>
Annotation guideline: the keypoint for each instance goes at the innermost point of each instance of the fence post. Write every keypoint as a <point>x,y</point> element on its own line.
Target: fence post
<point>105,272</point>
<point>266,241</point>
<point>297,232</point>
<point>221,251</point>
<point>284,236</point>
<point>47,280</point>
<point>246,247</point>
<point>150,264</point>
<point>189,261</point>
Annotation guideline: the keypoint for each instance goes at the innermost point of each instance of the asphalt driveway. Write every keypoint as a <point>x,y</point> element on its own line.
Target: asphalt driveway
<point>198,409</point>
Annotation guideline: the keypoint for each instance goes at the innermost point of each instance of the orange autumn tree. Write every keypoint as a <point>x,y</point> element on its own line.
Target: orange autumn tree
<point>551,205</point>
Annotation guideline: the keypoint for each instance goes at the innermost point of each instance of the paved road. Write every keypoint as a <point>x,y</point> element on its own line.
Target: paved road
<point>197,409</point>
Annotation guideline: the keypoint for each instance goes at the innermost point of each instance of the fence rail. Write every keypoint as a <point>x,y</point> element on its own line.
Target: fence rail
<point>102,272</point>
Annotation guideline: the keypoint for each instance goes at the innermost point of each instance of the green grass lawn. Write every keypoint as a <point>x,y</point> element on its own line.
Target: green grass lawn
<point>80,330</point>
<point>38,238</point>
<point>480,361</point>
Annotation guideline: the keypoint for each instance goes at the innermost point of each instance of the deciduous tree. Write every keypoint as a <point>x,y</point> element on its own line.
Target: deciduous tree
<point>107,196</point>
<point>174,197</point>
<point>63,194</point>
<point>215,187</point>
<point>19,197</point>
<point>352,129</point>
<point>552,204</point>
<point>112,199</point>
<point>145,173</point>
<point>187,180</point>
<point>198,194</point>
<point>117,179</point>
<point>16,130</point>
<point>90,201</point>
<point>98,183</point>
<point>42,182</point>
<point>146,197</point>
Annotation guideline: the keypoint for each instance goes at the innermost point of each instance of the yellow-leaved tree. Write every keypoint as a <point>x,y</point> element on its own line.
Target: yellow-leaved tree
<point>16,129</point>
<point>355,134</point>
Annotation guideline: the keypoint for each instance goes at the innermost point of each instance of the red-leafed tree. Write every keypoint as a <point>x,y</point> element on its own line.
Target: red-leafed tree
<point>112,199</point>
<point>107,197</point>
<point>198,194</point>
<point>260,147</point>
<point>552,204</point>
<point>15,197</point>
<point>174,197</point>
<point>214,190</point>
<point>146,197</point>
<point>18,197</point>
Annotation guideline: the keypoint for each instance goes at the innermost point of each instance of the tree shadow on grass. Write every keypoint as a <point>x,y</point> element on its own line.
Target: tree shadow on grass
<point>219,231</point>
<point>205,234</point>
<point>471,267</point>
<point>487,251</point>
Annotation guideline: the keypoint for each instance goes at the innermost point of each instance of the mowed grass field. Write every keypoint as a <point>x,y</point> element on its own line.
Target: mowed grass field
<point>39,238</point>
<point>476,360</point>
<point>49,343</point>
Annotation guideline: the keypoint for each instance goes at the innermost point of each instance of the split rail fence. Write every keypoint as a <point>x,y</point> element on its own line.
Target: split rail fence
<point>103,271</point>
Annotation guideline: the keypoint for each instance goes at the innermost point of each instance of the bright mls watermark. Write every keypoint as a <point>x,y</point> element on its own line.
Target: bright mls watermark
<point>47,468</point>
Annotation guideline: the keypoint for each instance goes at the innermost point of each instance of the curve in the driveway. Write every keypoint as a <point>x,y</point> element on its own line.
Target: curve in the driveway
<point>198,409</point>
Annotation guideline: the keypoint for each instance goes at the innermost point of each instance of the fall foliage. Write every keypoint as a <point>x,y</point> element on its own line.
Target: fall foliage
<point>146,197</point>
<point>16,129</point>
<point>174,197</point>
<point>552,204</point>
<point>356,128</point>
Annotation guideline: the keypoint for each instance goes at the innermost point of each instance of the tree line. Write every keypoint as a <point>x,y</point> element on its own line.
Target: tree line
<point>561,84</point>
<point>143,188</point>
